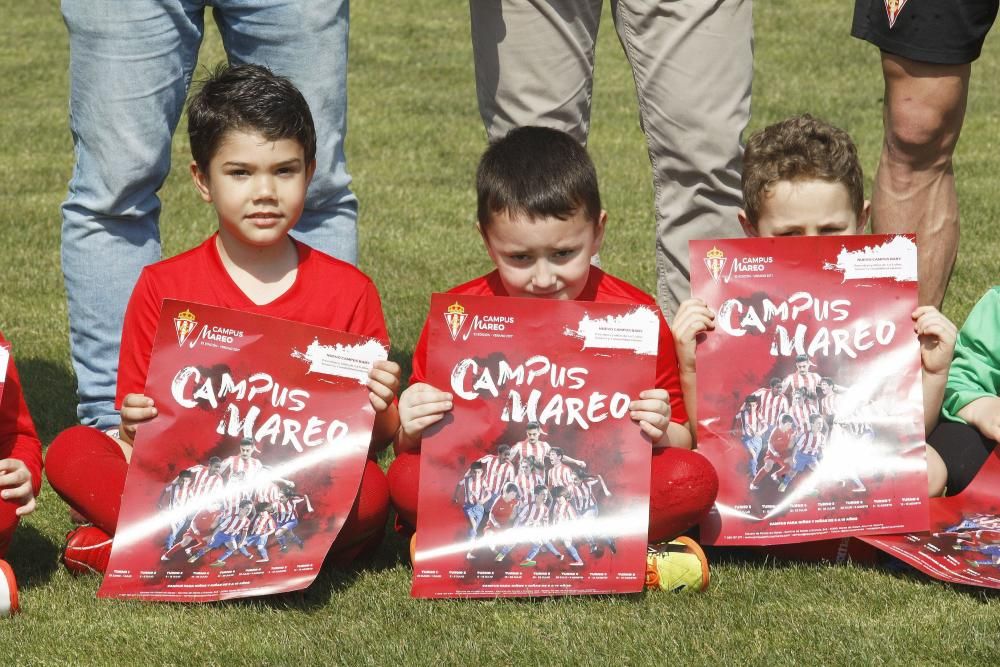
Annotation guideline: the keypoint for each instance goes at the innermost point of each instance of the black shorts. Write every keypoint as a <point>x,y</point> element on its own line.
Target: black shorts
<point>963,449</point>
<point>946,32</point>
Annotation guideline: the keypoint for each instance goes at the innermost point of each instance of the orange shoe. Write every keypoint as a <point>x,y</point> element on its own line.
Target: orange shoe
<point>678,565</point>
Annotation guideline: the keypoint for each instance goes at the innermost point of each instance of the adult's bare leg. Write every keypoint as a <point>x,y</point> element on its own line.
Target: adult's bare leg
<point>915,183</point>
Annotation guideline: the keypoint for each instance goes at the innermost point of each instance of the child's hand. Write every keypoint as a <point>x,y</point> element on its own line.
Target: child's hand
<point>15,480</point>
<point>136,409</point>
<point>984,414</point>
<point>937,339</point>
<point>693,318</point>
<point>383,381</point>
<point>420,405</point>
<point>652,412</point>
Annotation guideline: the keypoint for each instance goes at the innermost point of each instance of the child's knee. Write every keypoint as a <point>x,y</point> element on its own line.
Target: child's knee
<point>683,486</point>
<point>404,484</point>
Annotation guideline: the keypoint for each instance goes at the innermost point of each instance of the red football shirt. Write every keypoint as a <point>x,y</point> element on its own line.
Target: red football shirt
<point>327,292</point>
<point>600,288</point>
<point>18,438</point>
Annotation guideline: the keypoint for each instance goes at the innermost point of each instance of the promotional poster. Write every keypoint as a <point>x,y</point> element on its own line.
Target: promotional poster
<point>242,481</point>
<point>537,482</point>
<point>809,388</point>
<point>963,545</point>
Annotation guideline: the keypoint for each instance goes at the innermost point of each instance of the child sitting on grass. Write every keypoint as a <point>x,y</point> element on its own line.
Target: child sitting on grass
<point>540,217</point>
<point>802,177</point>
<point>971,410</point>
<point>20,470</point>
<point>254,144</point>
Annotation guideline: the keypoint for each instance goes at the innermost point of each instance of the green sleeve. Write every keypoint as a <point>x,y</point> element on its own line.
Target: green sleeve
<point>975,370</point>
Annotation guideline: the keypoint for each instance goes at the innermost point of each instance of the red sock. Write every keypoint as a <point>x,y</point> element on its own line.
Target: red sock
<point>683,486</point>
<point>87,469</point>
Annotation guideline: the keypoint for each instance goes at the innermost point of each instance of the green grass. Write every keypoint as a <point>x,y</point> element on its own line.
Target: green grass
<point>414,138</point>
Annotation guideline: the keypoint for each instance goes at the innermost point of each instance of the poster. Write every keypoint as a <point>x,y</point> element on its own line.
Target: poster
<point>809,395</point>
<point>963,544</point>
<point>537,482</point>
<point>242,481</point>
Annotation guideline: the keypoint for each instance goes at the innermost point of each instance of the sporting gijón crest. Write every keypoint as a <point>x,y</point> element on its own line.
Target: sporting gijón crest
<point>893,8</point>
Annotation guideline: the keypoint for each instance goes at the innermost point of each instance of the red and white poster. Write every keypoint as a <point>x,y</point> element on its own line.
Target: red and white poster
<point>537,482</point>
<point>809,394</point>
<point>963,545</point>
<point>242,481</point>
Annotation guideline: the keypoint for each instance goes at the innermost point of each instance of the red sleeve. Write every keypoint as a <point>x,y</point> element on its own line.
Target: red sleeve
<point>138,331</point>
<point>18,438</point>
<point>419,371</point>
<point>667,373</point>
<point>368,319</point>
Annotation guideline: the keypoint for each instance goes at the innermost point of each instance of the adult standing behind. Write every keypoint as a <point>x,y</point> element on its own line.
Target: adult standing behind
<point>927,51</point>
<point>131,64</point>
<point>692,61</point>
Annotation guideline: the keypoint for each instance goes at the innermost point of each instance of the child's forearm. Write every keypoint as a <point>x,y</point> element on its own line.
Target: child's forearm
<point>676,435</point>
<point>689,389</point>
<point>405,443</point>
<point>934,385</point>
<point>385,427</point>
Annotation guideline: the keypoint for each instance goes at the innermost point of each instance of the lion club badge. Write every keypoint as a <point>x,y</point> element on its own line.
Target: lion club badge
<point>715,260</point>
<point>892,9</point>
<point>184,324</point>
<point>455,317</point>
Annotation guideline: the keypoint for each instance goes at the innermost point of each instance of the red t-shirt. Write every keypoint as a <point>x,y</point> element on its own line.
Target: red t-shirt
<point>327,292</point>
<point>18,438</point>
<point>600,288</point>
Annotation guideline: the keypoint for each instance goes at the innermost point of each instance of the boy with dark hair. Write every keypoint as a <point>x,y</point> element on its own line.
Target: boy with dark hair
<point>253,140</point>
<point>540,217</point>
<point>802,177</point>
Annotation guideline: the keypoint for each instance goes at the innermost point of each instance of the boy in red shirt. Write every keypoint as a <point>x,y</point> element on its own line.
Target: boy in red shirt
<point>253,143</point>
<point>802,177</point>
<point>540,216</point>
<point>20,468</point>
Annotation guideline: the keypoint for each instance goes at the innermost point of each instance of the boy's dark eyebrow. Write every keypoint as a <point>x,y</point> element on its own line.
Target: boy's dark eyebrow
<point>284,163</point>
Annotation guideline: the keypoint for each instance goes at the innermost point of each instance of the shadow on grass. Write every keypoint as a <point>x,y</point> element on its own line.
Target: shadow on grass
<point>50,391</point>
<point>34,557</point>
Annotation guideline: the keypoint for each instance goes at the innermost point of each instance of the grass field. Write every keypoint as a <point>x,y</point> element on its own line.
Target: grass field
<point>414,138</point>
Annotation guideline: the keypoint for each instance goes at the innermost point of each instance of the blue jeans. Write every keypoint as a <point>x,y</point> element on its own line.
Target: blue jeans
<point>131,64</point>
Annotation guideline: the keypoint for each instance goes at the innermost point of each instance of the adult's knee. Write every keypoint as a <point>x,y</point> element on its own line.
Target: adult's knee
<point>924,111</point>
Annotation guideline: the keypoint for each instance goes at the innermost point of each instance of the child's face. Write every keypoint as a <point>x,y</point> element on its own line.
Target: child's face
<point>257,186</point>
<point>546,258</point>
<point>807,208</point>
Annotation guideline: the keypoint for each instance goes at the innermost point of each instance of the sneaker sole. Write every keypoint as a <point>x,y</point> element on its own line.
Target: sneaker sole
<point>8,590</point>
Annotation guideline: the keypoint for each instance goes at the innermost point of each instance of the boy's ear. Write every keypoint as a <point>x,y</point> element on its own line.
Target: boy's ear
<point>864,217</point>
<point>201,182</point>
<point>602,221</point>
<point>749,228</point>
<point>310,171</point>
